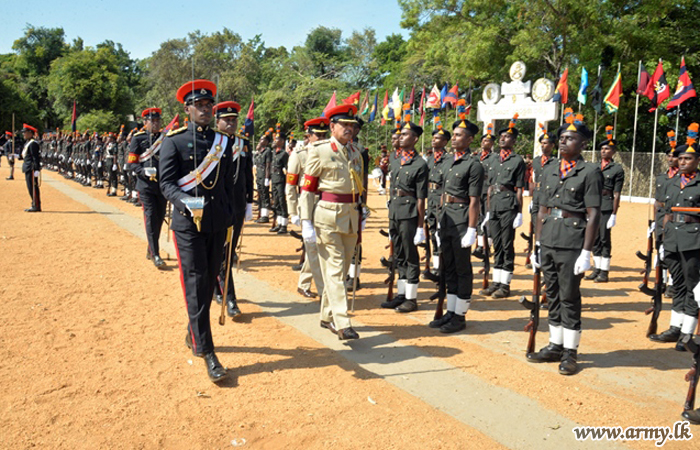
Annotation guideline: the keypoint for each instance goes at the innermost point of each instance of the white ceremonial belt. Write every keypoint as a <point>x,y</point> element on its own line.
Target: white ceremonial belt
<point>194,178</point>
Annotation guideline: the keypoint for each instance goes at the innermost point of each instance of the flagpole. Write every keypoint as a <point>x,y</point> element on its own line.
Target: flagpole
<point>678,117</point>
<point>653,152</point>
<point>634,132</point>
<point>595,132</point>
<point>619,66</point>
<point>561,114</point>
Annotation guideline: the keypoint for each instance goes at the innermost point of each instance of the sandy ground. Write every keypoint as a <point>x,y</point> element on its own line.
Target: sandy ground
<point>92,352</point>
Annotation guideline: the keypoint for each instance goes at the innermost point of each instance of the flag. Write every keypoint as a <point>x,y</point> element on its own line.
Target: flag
<point>612,100</point>
<point>468,99</point>
<point>684,90</point>
<point>451,96</point>
<point>658,90</point>
<point>643,81</point>
<point>412,98</point>
<point>433,99</point>
<point>561,93</point>
<point>249,126</point>
<point>365,104</point>
<point>597,93</point>
<point>421,107</point>
<point>73,120</point>
<point>354,99</point>
<point>385,105</point>
<point>582,95</point>
<point>373,111</point>
<point>397,102</point>
<point>331,104</point>
<point>443,95</point>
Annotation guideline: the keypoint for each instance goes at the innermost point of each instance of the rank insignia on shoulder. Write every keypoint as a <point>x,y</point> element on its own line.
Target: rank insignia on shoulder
<point>317,143</point>
<point>140,133</point>
<point>176,131</point>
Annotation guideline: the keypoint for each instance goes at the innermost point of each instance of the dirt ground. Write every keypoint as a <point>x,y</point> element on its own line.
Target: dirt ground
<point>92,352</point>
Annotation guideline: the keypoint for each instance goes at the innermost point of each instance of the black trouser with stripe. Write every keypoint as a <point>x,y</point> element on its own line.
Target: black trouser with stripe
<point>199,256</point>
<point>33,188</point>
<point>221,278</point>
<point>154,206</point>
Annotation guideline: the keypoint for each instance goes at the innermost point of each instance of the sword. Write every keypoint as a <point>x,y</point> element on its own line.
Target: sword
<point>229,238</point>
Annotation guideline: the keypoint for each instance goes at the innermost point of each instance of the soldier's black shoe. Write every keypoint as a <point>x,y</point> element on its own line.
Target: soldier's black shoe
<point>680,346</point>
<point>10,178</point>
<point>350,284</point>
<point>456,323</point>
<point>218,298</point>
<point>263,220</point>
<point>158,262</point>
<point>670,335</point>
<point>479,253</point>
<point>274,229</point>
<point>329,326</point>
<point>442,320</point>
<point>692,416</point>
<point>502,292</point>
<point>234,257</point>
<point>429,275</point>
<point>188,343</point>
<point>214,368</point>
<point>125,197</point>
<point>393,303</point>
<point>493,287</point>
<point>306,293</point>
<point>593,275</point>
<point>409,305</point>
<point>568,365</point>
<point>138,204</point>
<point>232,309</point>
<point>550,353</point>
<point>32,209</point>
<point>347,333</point>
<point>386,262</point>
<point>282,229</point>
<point>669,292</point>
<point>297,267</point>
<point>602,277</point>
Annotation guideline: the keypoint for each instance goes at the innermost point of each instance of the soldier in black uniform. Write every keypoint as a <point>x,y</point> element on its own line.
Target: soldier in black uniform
<point>547,143</point>
<point>680,250</point>
<point>487,159</point>
<point>437,165</point>
<point>463,181</point>
<point>278,179</point>
<point>568,221</point>
<point>110,161</point>
<point>506,183</point>
<point>31,167</point>
<point>10,153</point>
<point>143,161</point>
<point>263,159</point>
<point>613,179</point>
<point>196,162</point>
<point>409,189</point>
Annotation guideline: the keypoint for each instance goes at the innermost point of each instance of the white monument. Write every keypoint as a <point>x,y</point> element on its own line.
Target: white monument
<point>502,102</point>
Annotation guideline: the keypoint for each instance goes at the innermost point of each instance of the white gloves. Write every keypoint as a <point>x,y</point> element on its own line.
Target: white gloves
<point>267,182</point>
<point>518,220</point>
<point>611,221</point>
<point>486,220</point>
<point>36,173</point>
<point>535,258</point>
<point>295,220</point>
<point>99,164</point>
<point>662,254</point>
<point>469,238</point>
<point>308,232</point>
<point>419,238</point>
<point>529,208</point>
<point>249,212</point>
<point>114,167</point>
<point>437,239</point>
<point>651,229</point>
<point>583,262</point>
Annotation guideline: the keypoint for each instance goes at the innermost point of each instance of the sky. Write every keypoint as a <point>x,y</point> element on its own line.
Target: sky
<point>140,26</point>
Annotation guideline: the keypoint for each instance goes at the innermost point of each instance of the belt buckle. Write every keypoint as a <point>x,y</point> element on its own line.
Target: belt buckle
<point>558,213</point>
<point>679,217</point>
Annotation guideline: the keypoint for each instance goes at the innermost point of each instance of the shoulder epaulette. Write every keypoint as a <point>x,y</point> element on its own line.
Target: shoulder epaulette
<point>324,141</point>
<point>238,135</point>
<point>139,133</point>
<point>222,132</point>
<point>176,131</point>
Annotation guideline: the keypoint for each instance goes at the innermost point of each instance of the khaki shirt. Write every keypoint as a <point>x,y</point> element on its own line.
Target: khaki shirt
<point>295,177</point>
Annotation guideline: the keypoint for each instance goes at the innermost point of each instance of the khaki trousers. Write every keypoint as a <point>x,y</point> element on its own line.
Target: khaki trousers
<point>335,252</point>
<point>311,269</point>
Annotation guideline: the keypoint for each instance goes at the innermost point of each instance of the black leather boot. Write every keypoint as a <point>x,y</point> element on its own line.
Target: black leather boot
<point>593,275</point>
<point>602,277</point>
<point>670,335</point>
<point>393,303</point>
<point>493,287</point>
<point>442,320</point>
<point>215,370</point>
<point>456,323</point>
<point>568,365</point>
<point>550,353</point>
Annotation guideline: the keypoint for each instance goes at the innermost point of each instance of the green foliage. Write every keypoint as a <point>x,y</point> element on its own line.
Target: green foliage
<point>100,121</point>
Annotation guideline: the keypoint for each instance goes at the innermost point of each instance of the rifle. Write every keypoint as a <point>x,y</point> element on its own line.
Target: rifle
<point>692,376</point>
<point>301,249</point>
<point>534,307</point>
<point>657,294</point>
<point>426,229</point>
<point>442,291</point>
<point>487,263</point>
<point>392,272</point>
<point>528,239</point>
<point>647,263</point>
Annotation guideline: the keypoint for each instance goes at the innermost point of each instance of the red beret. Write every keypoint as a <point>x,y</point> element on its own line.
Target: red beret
<point>151,113</point>
<point>227,109</point>
<point>196,90</point>
<point>317,125</point>
<point>343,113</point>
<point>26,127</point>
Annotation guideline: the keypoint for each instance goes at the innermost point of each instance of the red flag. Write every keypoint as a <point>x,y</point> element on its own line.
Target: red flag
<point>249,127</point>
<point>421,108</point>
<point>74,119</point>
<point>644,79</point>
<point>658,90</point>
<point>354,99</point>
<point>384,105</point>
<point>451,96</point>
<point>412,98</point>
<point>331,104</point>
<point>561,94</point>
<point>684,90</point>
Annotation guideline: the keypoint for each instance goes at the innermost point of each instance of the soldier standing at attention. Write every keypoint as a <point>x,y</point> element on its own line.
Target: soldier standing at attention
<point>143,161</point>
<point>10,153</point>
<point>680,250</point>
<point>438,163</point>
<point>613,179</point>
<point>487,159</point>
<point>196,162</point>
<point>568,221</point>
<point>334,169</point>
<point>110,158</point>
<point>506,183</point>
<point>316,130</point>
<point>278,180</point>
<point>263,157</point>
<point>463,181</point>
<point>31,167</point>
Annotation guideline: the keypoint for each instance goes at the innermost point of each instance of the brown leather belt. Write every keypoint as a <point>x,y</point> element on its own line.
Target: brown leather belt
<point>434,186</point>
<point>607,192</point>
<point>504,187</point>
<point>683,218</point>
<point>402,193</point>
<point>447,198</point>
<point>562,214</point>
<point>339,198</point>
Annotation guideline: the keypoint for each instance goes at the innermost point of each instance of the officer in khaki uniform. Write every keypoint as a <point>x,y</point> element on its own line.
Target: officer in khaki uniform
<point>613,179</point>
<point>464,178</point>
<point>316,130</point>
<point>681,243</point>
<point>568,221</point>
<point>334,169</point>
<point>437,166</point>
<point>506,183</point>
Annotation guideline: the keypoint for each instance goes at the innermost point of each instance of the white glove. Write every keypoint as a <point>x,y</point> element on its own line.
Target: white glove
<point>249,212</point>
<point>583,262</point>
<point>651,229</point>
<point>611,221</point>
<point>419,238</point>
<point>529,208</point>
<point>437,239</point>
<point>267,182</point>
<point>308,232</point>
<point>114,167</point>
<point>535,258</point>
<point>662,254</point>
<point>486,220</point>
<point>518,220</point>
<point>99,164</point>
<point>36,173</point>
<point>469,238</point>
<point>296,220</point>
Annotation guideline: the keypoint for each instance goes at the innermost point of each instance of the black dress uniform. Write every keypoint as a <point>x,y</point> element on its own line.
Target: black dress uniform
<point>150,195</point>
<point>437,165</point>
<point>110,158</point>
<point>31,167</point>
<point>278,180</point>
<point>263,159</point>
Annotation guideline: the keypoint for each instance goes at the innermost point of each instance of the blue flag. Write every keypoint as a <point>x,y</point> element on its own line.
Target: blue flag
<point>373,110</point>
<point>443,94</point>
<point>582,95</point>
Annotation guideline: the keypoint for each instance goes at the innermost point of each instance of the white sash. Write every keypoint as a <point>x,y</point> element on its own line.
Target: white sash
<point>153,149</point>
<point>194,178</point>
